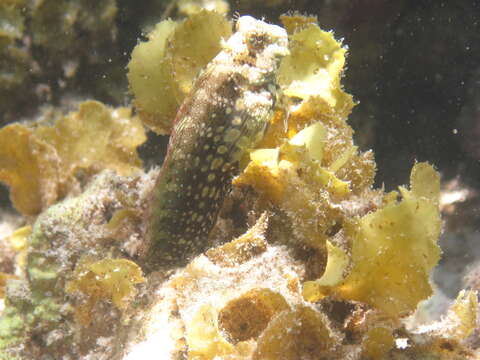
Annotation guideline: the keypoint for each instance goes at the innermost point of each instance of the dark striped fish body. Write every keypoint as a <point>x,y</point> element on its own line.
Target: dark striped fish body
<point>223,117</point>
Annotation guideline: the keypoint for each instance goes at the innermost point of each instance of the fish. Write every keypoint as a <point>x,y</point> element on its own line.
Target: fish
<point>223,117</point>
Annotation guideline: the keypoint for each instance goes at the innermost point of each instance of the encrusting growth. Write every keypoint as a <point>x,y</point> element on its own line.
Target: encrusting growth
<point>226,114</point>
<point>330,270</point>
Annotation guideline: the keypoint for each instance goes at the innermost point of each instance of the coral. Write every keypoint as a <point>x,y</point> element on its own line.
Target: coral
<point>40,163</point>
<point>162,69</point>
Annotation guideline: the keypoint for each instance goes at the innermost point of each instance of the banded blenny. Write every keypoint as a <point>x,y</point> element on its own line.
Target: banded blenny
<point>224,116</point>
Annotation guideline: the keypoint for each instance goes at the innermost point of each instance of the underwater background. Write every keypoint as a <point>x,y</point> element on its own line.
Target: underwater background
<point>413,68</point>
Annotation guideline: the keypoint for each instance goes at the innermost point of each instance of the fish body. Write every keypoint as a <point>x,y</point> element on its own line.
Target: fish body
<point>224,116</point>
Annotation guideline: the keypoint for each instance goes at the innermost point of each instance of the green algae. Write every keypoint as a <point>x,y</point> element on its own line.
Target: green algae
<point>38,306</point>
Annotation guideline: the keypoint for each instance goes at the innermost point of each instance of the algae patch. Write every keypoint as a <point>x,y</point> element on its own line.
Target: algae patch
<point>327,266</point>
<point>110,279</point>
<point>40,163</point>
<point>162,69</point>
<point>398,241</point>
<point>60,289</point>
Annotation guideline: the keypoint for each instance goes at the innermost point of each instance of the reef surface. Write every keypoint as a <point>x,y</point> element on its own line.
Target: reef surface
<point>306,259</point>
